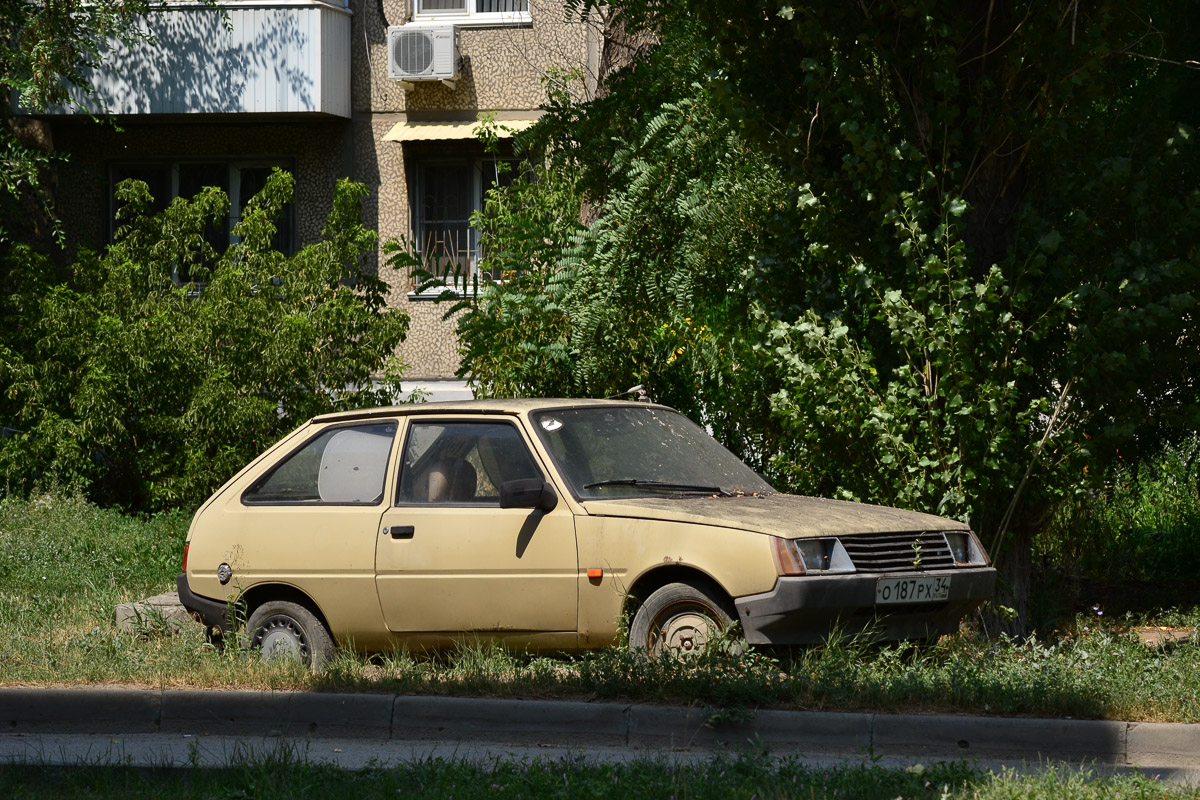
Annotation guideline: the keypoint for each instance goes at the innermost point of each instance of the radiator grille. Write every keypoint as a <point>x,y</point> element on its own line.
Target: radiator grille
<point>897,552</point>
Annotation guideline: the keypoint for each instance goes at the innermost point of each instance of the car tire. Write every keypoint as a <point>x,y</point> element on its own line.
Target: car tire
<point>285,630</point>
<point>680,618</point>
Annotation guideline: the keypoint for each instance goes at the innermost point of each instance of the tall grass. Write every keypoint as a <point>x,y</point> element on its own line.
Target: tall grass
<point>1098,674</point>
<point>1141,524</point>
<point>289,775</point>
<point>65,564</point>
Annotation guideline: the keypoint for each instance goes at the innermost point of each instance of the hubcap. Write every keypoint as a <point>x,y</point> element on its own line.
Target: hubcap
<point>281,638</point>
<point>683,631</point>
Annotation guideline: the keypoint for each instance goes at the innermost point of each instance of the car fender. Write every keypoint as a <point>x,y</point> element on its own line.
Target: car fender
<point>629,551</point>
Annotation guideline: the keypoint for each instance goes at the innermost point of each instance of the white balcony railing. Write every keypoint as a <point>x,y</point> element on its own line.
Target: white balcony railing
<point>286,56</point>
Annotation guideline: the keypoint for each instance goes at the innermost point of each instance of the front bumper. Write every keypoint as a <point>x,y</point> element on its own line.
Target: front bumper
<point>213,613</point>
<point>805,609</point>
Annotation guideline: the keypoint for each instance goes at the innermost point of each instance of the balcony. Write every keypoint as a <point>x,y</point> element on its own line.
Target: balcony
<point>282,57</point>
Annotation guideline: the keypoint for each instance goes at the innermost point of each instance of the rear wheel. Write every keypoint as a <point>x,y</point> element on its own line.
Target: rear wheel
<point>680,618</point>
<point>280,629</point>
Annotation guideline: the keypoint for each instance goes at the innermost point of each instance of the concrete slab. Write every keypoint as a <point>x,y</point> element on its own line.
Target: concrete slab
<point>678,729</point>
<point>681,729</point>
<point>1162,637</point>
<point>524,721</point>
<point>225,712</point>
<point>161,613</point>
<point>367,716</point>
<point>1165,748</point>
<point>1154,744</point>
<point>817,732</point>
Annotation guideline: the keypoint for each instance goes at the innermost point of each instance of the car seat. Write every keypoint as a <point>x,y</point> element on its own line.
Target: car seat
<point>451,480</point>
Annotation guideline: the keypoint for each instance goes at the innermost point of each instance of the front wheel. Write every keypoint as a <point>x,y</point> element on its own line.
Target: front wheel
<point>679,618</point>
<point>287,631</point>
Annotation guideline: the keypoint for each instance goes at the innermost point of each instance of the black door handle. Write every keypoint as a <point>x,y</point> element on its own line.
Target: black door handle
<point>401,531</point>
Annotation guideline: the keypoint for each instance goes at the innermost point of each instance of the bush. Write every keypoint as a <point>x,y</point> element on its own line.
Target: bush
<point>161,366</point>
<point>1142,523</point>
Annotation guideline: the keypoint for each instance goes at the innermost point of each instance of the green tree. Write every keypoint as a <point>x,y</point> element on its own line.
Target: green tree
<point>965,260</point>
<point>46,49</point>
<point>514,332</point>
<point>148,391</point>
<point>1002,199</point>
<point>656,290</point>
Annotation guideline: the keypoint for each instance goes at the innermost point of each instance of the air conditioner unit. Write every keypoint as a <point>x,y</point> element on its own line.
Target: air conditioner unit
<point>423,54</point>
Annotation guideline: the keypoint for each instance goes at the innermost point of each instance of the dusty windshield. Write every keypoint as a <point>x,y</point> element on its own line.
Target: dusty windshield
<point>633,451</point>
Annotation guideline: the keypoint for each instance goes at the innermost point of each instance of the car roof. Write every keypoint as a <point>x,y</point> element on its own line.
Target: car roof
<point>499,406</point>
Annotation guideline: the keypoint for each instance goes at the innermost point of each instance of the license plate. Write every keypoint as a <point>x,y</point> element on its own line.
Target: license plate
<point>912,590</point>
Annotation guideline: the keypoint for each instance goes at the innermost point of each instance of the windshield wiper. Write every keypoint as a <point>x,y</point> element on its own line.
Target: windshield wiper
<point>667,485</point>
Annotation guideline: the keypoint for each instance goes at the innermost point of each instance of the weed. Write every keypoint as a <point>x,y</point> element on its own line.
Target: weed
<point>1140,523</point>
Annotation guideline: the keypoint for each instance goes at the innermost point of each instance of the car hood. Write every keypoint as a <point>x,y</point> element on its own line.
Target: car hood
<point>786,515</point>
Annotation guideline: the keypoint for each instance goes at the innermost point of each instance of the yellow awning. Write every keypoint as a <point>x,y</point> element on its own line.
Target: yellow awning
<point>410,131</point>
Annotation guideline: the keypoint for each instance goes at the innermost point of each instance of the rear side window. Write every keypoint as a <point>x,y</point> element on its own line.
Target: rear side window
<point>341,466</point>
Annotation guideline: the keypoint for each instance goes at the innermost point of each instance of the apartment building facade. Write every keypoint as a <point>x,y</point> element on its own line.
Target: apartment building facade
<point>386,92</point>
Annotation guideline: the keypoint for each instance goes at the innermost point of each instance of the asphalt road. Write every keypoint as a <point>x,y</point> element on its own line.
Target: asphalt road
<point>183,727</point>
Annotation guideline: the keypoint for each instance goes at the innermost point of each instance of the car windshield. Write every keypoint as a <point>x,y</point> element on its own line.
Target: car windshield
<point>635,451</point>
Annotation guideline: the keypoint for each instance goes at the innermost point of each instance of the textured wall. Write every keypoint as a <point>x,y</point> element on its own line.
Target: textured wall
<point>502,66</point>
<point>502,71</point>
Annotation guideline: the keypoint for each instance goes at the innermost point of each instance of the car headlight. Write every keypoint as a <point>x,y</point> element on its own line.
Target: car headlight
<point>805,556</point>
<point>965,549</point>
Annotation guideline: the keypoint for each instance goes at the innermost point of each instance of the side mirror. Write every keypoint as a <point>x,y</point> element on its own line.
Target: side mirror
<point>528,493</point>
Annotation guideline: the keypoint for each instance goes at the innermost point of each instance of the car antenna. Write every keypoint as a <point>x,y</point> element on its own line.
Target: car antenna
<point>639,394</point>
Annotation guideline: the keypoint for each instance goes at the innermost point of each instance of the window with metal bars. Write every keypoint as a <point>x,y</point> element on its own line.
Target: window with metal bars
<point>447,193</point>
<point>479,11</point>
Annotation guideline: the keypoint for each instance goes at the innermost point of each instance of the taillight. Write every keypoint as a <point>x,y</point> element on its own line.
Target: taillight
<point>185,549</point>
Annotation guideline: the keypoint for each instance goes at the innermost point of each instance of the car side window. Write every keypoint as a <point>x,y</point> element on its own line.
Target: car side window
<point>346,465</point>
<point>452,463</point>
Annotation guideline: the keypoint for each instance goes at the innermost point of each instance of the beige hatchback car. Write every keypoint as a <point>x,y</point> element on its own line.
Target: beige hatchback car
<point>541,524</point>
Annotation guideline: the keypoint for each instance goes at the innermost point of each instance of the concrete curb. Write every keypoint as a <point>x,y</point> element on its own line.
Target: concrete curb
<point>577,724</point>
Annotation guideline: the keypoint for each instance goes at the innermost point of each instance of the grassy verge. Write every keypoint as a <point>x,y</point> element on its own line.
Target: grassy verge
<point>65,564</point>
<point>286,776</point>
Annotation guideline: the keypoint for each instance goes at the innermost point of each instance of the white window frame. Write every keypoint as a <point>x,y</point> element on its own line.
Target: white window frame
<point>468,17</point>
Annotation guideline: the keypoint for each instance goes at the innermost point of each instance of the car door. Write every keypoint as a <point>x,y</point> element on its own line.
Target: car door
<point>449,559</point>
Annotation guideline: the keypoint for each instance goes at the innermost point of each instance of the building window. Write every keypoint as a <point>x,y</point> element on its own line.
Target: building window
<point>447,194</point>
<point>473,12</point>
<point>240,180</point>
